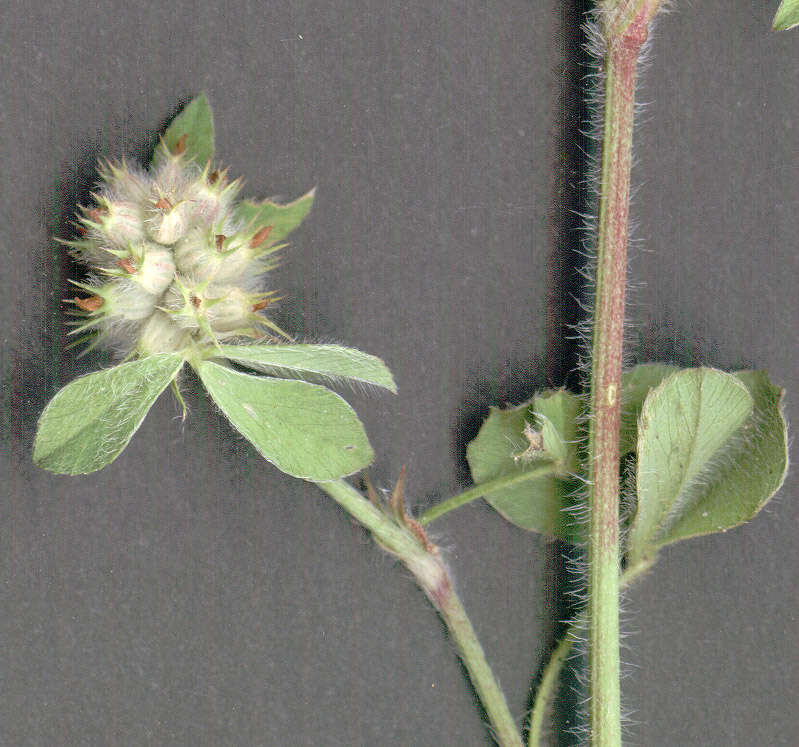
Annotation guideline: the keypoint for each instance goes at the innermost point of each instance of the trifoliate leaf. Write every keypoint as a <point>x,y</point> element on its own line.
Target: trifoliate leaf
<point>522,439</point>
<point>303,429</point>
<point>635,386</point>
<point>282,218</point>
<point>196,123</point>
<point>787,15</point>
<point>91,420</point>
<point>711,452</point>
<point>333,361</point>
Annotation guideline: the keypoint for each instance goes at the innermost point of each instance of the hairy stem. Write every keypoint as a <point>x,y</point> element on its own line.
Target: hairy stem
<point>545,693</point>
<point>486,488</point>
<point>625,26</point>
<point>422,558</point>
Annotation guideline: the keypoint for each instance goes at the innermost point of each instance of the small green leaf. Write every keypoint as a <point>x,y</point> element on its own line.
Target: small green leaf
<point>636,384</point>
<point>711,452</point>
<point>332,361</point>
<point>303,429</point>
<point>501,448</point>
<point>91,420</point>
<point>196,122</point>
<point>787,15</point>
<point>283,218</point>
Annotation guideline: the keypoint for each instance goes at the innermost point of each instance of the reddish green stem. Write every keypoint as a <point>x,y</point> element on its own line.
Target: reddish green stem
<point>625,29</point>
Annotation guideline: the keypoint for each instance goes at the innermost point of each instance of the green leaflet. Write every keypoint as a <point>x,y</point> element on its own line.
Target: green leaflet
<point>303,429</point>
<point>332,361</point>
<point>196,122</point>
<point>787,15</point>
<point>91,420</point>
<point>636,384</point>
<point>711,452</point>
<point>283,218</point>
<point>502,449</point>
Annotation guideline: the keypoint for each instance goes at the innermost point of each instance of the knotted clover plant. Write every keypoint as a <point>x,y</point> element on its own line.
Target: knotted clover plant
<point>177,263</point>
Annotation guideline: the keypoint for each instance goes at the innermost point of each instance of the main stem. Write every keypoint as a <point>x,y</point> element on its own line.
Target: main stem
<point>625,28</point>
<point>422,558</point>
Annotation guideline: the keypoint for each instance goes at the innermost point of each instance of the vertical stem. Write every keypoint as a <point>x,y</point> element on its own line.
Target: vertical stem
<point>422,559</point>
<point>625,27</point>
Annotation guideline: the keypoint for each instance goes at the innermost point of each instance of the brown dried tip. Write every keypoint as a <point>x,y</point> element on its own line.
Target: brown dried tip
<point>370,491</point>
<point>81,230</point>
<point>420,534</point>
<point>220,240</point>
<point>163,204</point>
<point>196,301</point>
<point>180,145</point>
<point>95,214</point>
<point>260,237</point>
<point>92,303</point>
<point>260,305</point>
<point>127,265</point>
<point>396,502</point>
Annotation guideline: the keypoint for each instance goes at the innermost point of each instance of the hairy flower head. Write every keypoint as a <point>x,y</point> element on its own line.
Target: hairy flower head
<point>175,260</point>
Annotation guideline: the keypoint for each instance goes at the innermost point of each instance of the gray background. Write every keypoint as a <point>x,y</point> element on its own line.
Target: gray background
<point>189,594</point>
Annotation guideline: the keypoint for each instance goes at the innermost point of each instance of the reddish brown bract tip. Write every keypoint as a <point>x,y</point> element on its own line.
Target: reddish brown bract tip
<point>260,305</point>
<point>92,303</point>
<point>163,204</point>
<point>180,145</point>
<point>127,265</point>
<point>260,237</point>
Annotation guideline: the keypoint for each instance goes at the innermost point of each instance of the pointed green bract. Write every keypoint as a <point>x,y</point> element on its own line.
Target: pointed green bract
<point>636,384</point>
<point>711,452</point>
<point>91,420</point>
<point>196,122</point>
<point>283,218</point>
<point>304,429</point>
<point>787,15</point>
<point>333,361</point>
<point>501,448</point>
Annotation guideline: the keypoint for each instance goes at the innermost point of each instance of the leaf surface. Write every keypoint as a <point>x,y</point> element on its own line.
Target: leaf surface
<point>502,449</point>
<point>196,122</point>
<point>304,429</point>
<point>333,361</point>
<point>787,16</point>
<point>636,384</point>
<point>711,452</point>
<point>283,218</point>
<point>91,420</point>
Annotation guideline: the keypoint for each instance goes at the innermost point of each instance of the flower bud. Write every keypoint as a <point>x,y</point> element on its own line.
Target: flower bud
<point>166,221</point>
<point>172,173</point>
<point>114,307</point>
<point>210,196</point>
<point>218,311</point>
<point>160,334</point>
<point>125,183</point>
<point>150,266</point>
<point>209,254</point>
<point>113,223</point>
<point>232,312</point>
<point>126,299</point>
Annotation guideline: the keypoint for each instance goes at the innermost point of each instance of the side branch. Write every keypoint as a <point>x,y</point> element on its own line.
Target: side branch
<point>422,559</point>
